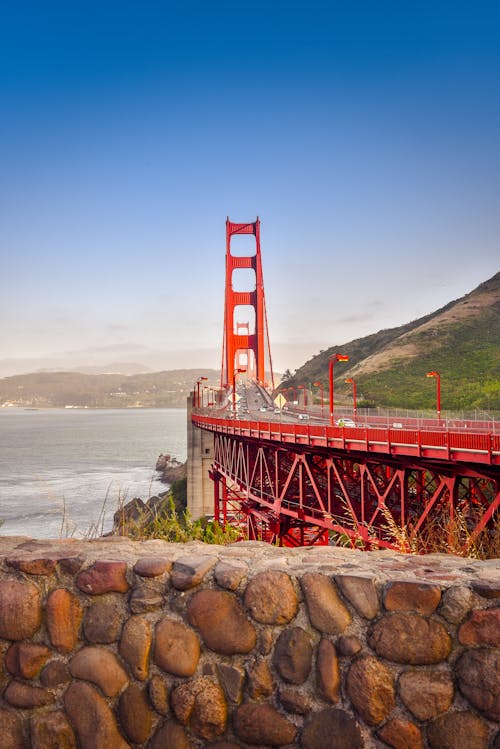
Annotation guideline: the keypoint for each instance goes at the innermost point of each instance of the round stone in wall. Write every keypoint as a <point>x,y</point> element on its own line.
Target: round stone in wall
<point>259,723</point>
<point>482,628</point>
<point>51,730</point>
<point>410,638</point>
<point>371,690</point>
<point>361,592</point>
<point>91,718</point>
<point>135,645</point>
<point>26,659</point>
<point>293,655</point>
<point>331,729</point>
<point>158,694</point>
<point>462,730</point>
<point>136,715</point>
<point>326,610</point>
<point>271,598</point>
<point>101,667</point>
<point>104,577</point>
<point>11,730</point>
<point>64,613</point>
<point>402,595</point>
<point>103,620</point>
<point>401,734</point>
<point>456,603</point>
<point>177,648</point>
<point>201,704</point>
<point>478,676</point>
<point>328,671</point>
<point>20,609</point>
<point>222,622</point>
<point>295,701</point>
<point>26,696</point>
<point>170,735</point>
<point>426,694</point>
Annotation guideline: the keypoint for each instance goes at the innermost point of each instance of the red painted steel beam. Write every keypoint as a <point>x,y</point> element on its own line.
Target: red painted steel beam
<point>448,446</point>
<point>290,493</point>
<point>253,341</point>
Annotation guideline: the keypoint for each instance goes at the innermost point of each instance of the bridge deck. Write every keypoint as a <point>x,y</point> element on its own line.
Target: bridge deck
<point>464,447</point>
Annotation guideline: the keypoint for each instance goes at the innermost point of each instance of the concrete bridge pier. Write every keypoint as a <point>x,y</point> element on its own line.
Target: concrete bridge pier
<point>200,453</point>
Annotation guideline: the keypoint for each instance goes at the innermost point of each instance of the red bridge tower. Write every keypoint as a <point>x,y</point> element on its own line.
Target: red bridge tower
<point>244,343</point>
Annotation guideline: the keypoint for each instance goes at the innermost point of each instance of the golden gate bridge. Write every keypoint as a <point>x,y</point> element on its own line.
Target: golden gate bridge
<point>296,479</point>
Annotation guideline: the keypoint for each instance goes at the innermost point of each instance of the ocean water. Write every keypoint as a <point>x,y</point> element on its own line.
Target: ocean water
<point>64,471</point>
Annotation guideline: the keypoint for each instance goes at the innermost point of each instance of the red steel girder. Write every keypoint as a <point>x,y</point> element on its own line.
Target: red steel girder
<point>377,501</point>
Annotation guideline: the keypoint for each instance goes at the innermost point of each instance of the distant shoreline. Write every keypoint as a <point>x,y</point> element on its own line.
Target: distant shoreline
<point>92,408</point>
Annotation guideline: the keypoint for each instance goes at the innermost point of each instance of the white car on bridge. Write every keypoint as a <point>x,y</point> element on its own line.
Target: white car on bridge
<point>344,422</point>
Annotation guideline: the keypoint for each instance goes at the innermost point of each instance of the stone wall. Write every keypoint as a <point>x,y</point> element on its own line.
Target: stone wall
<point>111,644</point>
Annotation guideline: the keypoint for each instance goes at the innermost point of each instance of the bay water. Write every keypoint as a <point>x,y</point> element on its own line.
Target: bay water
<point>63,472</point>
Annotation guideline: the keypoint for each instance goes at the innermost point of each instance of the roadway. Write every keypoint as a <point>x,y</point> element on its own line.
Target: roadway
<point>253,403</point>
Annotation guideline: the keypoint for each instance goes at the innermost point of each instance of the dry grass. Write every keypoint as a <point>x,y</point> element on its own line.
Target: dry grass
<point>438,535</point>
<point>454,536</point>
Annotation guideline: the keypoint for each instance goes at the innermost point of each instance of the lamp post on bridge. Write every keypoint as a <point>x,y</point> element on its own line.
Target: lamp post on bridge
<point>198,381</point>
<point>208,390</point>
<point>355,409</point>
<point>235,372</point>
<point>320,386</point>
<point>333,359</point>
<point>437,376</point>
<point>218,395</point>
<point>210,395</point>
<point>303,387</point>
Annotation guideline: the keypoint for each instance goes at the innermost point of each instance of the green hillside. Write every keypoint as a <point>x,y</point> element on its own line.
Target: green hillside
<point>58,389</point>
<point>461,341</point>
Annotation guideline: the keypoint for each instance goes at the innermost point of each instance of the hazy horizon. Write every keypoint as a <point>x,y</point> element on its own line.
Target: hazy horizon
<point>136,358</point>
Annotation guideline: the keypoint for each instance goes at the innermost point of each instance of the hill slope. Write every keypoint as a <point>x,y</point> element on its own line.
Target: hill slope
<point>460,340</point>
<point>59,389</point>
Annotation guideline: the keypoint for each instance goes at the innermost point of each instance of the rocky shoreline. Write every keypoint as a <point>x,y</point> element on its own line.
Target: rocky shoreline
<point>137,512</point>
<point>170,468</point>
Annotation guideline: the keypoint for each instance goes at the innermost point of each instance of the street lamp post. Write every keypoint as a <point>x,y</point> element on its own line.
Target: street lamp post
<point>207,389</point>
<point>355,409</point>
<point>438,391</point>
<point>198,381</point>
<point>334,358</point>
<point>303,387</point>
<point>235,372</point>
<point>320,386</point>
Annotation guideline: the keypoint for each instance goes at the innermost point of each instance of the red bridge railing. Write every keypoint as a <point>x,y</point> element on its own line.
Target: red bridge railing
<point>453,446</point>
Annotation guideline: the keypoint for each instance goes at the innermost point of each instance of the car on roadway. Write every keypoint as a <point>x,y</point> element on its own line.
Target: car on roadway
<point>344,422</point>
<point>303,416</point>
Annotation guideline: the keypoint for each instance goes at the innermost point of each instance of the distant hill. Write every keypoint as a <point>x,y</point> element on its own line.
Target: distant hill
<point>59,389</point>
<point>461,341</point>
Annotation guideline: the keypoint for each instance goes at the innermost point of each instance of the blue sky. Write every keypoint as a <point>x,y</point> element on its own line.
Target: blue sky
<point>365,135</point>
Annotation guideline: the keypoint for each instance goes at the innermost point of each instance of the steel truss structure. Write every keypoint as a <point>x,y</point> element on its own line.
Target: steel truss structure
<point>298,495</point>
